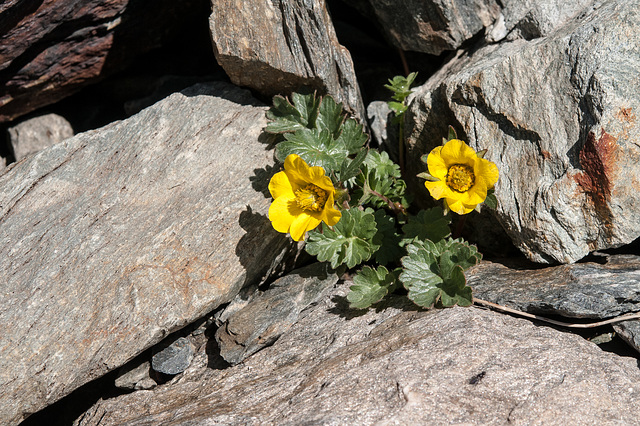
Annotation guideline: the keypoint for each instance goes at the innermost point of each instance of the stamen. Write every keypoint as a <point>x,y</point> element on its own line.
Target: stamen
<point>311,198</point>
<point>460,177</point>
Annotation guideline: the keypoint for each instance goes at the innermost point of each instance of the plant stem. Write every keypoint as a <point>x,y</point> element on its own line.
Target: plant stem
<point>397,208</point>
<point>625,317</point>
<point>401,143</point>
<point>459,227</point>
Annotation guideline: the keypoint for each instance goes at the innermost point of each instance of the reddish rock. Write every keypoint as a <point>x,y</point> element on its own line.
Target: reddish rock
<point>50,49</point>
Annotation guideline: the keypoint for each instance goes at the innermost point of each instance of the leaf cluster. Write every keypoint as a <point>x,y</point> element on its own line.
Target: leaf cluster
<point>401,88</point>
<point>433,273</point>
<point>316,129</point>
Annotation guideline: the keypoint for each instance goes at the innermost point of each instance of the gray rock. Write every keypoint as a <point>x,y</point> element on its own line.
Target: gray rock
<point>433,26</point>
<point>37,133</point>
<point>261,321</point>
<point>629,331</point>
<point>557,116</point>
<point>117,237</point>
<point>580,290</point>
<point>135,377</point>
<point>277,47</point>
<point>175,358</point>
<point>396,365</point>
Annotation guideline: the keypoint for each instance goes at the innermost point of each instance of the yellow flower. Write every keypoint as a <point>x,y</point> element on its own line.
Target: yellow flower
<point>302,198</point>
<point>461,177</point>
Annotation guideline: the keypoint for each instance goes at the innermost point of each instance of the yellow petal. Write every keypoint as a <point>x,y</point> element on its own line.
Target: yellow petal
<point>330,215</point>
<point>476,194</point>
<point>280,186</point>
<point>436,164</point>
<point>439,189</point>
<point>294,167</point>
<point>487,171</point>
<point>457,152</point>
<point>458,206</point>
<point>282,213</point>
<point>302,223</point>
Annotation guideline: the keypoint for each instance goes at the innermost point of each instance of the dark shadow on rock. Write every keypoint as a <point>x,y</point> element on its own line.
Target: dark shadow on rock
<point>261,178</point>
<point>261,247</point>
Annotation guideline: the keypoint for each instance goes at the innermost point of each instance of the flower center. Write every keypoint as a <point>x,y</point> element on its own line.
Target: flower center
<point>460,177</point>
<point>311,198</point>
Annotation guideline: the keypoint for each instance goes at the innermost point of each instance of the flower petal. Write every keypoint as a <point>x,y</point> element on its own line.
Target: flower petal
<point>487,171</point>
<point>295,168</point>
<point>301,224</point>
<point>280,186</point>
<point>457,206</point>
<point>439,190</point>
<point>282,213</point>
<point>330,215</point>
<point>436,164</point>
<point>457,152</point>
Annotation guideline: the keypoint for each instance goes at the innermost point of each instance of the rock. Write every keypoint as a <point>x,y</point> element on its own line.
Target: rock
<point>580,290</point>
<point>435,26</point>
<point>37,133</point>
<point>135,378</point>
<point>281,46</point>
<point>49,50</point>
<point>122,235</point>
<point>629,331</point>
<point>175,358</point>
<point>261,321</point>
<point>398,365</point>
<point>558,117</point>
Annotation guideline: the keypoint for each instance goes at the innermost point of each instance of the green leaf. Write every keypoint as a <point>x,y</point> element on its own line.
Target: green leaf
<point>284,117</point>
<point>351,168</point>
<point>434,272</point>
<point>398,108</point>
<point>429,224</point>
<point>387,239</point>
<point>491,201</point>
<point>329,116</point>
<point>382,165</point>
<point>352,136</point>
<point>316,147</point>
<point>371,286</point>
<point>401,86</point>
<point>455,290</point>
<point>349,243</point>
<point>307,105</point>
<point>452,134</point>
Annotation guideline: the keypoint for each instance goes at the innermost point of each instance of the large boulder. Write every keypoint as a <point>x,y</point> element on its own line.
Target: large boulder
<point>558,117</point>
<point>51,49</point>
<point>281,46</point>
<point>117,237</point>
<point>397,365</point>
<point>432,26</point>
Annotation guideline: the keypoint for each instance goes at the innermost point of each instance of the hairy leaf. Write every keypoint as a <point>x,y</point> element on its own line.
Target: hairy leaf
<point>329,116</point>
<point>351,168</point>
<point>349,243</point>
<point>285,117</point>
<point>352,136</point>
<point>316,147</point>
<point>429,224</point>
<point>387,238</point>
<point>370,286</point>
<point>381,165</point>
<point>491,201</point>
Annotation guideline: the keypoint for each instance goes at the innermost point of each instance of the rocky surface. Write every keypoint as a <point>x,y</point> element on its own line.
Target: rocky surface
<point>50,49</point>
<point>125,234</point>
<point>276,47</point>
<point>435,27</point>
<point>266,316</point>
<point>396,365</point>
<point>35,134</point>
<point>173,359</point>
<point>558,117</point>
<point>580,290</point>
